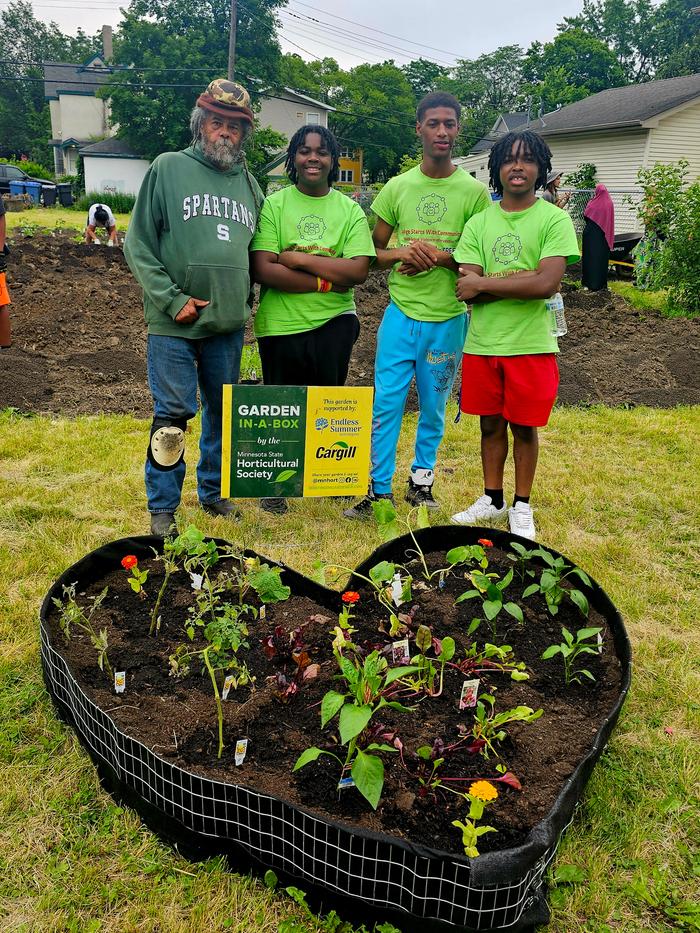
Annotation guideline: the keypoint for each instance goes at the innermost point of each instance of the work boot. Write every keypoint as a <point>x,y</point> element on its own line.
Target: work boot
<point>163,524</point>
<point>363,509</point>
<point>222,508</point>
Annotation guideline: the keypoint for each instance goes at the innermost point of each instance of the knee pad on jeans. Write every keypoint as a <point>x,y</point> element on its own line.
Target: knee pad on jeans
<point>166,447</point>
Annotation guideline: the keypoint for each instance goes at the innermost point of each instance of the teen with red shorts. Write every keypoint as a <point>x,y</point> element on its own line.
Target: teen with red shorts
<point>511,258</point>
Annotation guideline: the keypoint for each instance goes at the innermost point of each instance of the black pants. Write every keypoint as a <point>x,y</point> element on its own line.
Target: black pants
<point>594,257</point>
<point>318,357</point>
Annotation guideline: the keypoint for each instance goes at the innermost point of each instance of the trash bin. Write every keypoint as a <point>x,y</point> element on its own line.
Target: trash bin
<point>16,187</point>
<point>65,194</point>
<point>49,195</point>
<point>33,189</point>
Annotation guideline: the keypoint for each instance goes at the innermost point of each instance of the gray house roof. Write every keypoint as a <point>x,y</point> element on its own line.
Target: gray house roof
<point>621,106</point>
<point>69,78</point>
<point>512,121</point>
<point>110,148</point>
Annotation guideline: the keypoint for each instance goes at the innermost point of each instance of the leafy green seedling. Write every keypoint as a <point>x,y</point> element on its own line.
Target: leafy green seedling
<point>571,650</point>
<point>550,585</point>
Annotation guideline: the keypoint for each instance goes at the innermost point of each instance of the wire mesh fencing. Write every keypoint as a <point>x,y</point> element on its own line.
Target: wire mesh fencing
<point>625,201</point>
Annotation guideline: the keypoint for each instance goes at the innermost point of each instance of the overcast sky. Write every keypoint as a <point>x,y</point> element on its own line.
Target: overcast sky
<point>371,30</point>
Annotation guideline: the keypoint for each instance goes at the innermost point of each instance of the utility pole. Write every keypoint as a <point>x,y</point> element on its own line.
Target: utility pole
<point>232,42</point>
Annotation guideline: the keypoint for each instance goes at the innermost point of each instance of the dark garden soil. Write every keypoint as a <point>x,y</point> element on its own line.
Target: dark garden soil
<point>177,717</point>
<point>79,339</point>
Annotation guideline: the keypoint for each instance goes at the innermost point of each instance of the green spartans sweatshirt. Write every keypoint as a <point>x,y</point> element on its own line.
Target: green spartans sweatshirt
<point>188,238</point>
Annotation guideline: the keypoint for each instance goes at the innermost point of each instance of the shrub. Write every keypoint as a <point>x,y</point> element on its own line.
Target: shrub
<point>680,269</point>
<point>662,192</point>
<point>584,176</point>
<point>120,203</point>
<point>31,168</point>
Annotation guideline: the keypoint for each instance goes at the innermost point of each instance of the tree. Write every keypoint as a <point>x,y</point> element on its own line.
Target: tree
<point>319,79</point>
<point>262,146</point>
<point>25,126</point>
<point>157,35</point>
<point>380,115</point>
<point>486,87</point>
<point>425,76</point>
<point>573,66</point>
<point>678,39</point>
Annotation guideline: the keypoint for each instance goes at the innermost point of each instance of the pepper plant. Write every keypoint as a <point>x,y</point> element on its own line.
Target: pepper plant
<point>571,650</point>
<point>550,585</point>
<point>367,684</point>
<point>489,588</point>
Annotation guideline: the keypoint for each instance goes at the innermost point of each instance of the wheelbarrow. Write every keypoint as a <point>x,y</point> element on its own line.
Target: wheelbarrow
<point>621,260</point>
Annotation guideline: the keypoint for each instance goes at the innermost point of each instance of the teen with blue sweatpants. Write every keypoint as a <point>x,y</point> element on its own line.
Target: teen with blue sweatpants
<point>423,329</point>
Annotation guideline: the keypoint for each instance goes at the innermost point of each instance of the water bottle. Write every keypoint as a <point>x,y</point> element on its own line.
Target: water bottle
<point>555,308</point>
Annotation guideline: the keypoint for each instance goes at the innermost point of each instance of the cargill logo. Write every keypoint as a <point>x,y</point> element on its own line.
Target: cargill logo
<point>338,451</point>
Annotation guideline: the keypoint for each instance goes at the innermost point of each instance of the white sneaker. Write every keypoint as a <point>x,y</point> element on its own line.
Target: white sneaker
<point>521,520</point>
<point>480,512</point>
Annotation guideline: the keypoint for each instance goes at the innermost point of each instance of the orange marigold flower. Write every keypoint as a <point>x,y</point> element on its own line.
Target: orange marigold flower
<point>483,790</point>
<point>129,561</point>
<point>350,596</point>
<point>484,542</point>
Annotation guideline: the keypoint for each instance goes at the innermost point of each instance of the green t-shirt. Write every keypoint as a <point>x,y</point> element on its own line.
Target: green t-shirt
<point>435,210</point>
<point>503,243</point>
<point>333,225</point>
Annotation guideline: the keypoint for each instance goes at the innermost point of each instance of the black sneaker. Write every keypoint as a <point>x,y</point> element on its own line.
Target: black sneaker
<point>363,509</point>
<point>163,524</point>
<point>222,508</point>
<point>420,495</point>
<point>277,505</point>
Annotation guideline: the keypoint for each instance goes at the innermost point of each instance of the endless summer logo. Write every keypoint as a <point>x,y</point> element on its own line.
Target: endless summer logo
<point>311,227</point>
<point>507,248</point>
<point>431,208</point>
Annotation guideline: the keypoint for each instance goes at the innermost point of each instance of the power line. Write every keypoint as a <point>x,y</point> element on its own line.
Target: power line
<point>373,29</point>
<point>311,22</point>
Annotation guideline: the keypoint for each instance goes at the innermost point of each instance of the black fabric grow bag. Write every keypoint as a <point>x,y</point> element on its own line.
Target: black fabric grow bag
<point>360,873</point>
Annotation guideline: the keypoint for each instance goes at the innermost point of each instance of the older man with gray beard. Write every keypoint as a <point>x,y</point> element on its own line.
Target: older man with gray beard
<point>187,245</point>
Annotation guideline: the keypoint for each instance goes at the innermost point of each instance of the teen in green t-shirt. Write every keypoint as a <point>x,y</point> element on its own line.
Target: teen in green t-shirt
<point>511,258</point>
<point>313,244</point>
<point>422,331</point>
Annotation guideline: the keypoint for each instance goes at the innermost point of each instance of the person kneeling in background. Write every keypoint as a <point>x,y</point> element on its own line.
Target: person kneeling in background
<point>100,215</point>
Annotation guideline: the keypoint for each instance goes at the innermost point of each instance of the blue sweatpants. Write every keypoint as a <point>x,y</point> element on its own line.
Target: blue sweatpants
<point>430,352</point>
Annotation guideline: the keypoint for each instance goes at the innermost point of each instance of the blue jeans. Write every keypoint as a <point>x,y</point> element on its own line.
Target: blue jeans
<point>429,351</point>
<point>176,366</point>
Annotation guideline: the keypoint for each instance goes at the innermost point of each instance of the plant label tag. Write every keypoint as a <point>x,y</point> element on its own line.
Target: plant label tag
<point>399,652</point>
<point>470,689</point>
<point>119,681</point>
<point>226,689</point>
<point>241,750</point>
<point>599,639</point>
<point>197,579</point>
<point>441,582</point>
<point>263,612</point>
<point>253,375</point>
<point>346,779</point>
<point>397,590</point>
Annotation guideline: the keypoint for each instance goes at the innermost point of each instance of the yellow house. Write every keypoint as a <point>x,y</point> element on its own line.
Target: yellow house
<point>350,166</point>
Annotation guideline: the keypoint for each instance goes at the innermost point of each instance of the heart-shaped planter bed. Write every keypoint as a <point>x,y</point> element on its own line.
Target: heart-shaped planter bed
<point>386,844</point>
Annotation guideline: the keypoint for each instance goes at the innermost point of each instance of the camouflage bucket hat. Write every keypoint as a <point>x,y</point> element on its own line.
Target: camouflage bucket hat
<point>227,99</point>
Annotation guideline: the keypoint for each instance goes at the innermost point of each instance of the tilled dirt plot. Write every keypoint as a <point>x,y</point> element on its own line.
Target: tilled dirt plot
<point>80,342</point>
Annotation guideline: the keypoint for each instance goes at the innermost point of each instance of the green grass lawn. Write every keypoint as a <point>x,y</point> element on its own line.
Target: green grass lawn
<point>617,491</point>
<point>51,218</point>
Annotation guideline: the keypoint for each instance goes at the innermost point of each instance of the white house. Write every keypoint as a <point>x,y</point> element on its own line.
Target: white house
<point>77,116</point>
<point>287,110</point>
<point>112,166</point>
<point>619,130</point>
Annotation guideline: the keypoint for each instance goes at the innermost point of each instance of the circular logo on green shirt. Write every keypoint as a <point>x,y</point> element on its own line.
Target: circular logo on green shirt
<point>311,227</point>
<point>431,208</point>
<point>507,248</point>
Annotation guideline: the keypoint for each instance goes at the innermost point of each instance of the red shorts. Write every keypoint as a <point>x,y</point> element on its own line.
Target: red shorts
<point>521,388</point>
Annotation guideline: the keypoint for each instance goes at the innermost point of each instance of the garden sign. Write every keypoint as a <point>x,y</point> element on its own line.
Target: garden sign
<point>295,441</point>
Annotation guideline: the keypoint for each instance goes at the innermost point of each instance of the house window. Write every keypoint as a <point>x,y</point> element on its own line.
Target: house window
<point>58,161</point>
<point>347,175</point>
<point>300,116</point>
<point>313,118</point>
<point>346,153</point>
